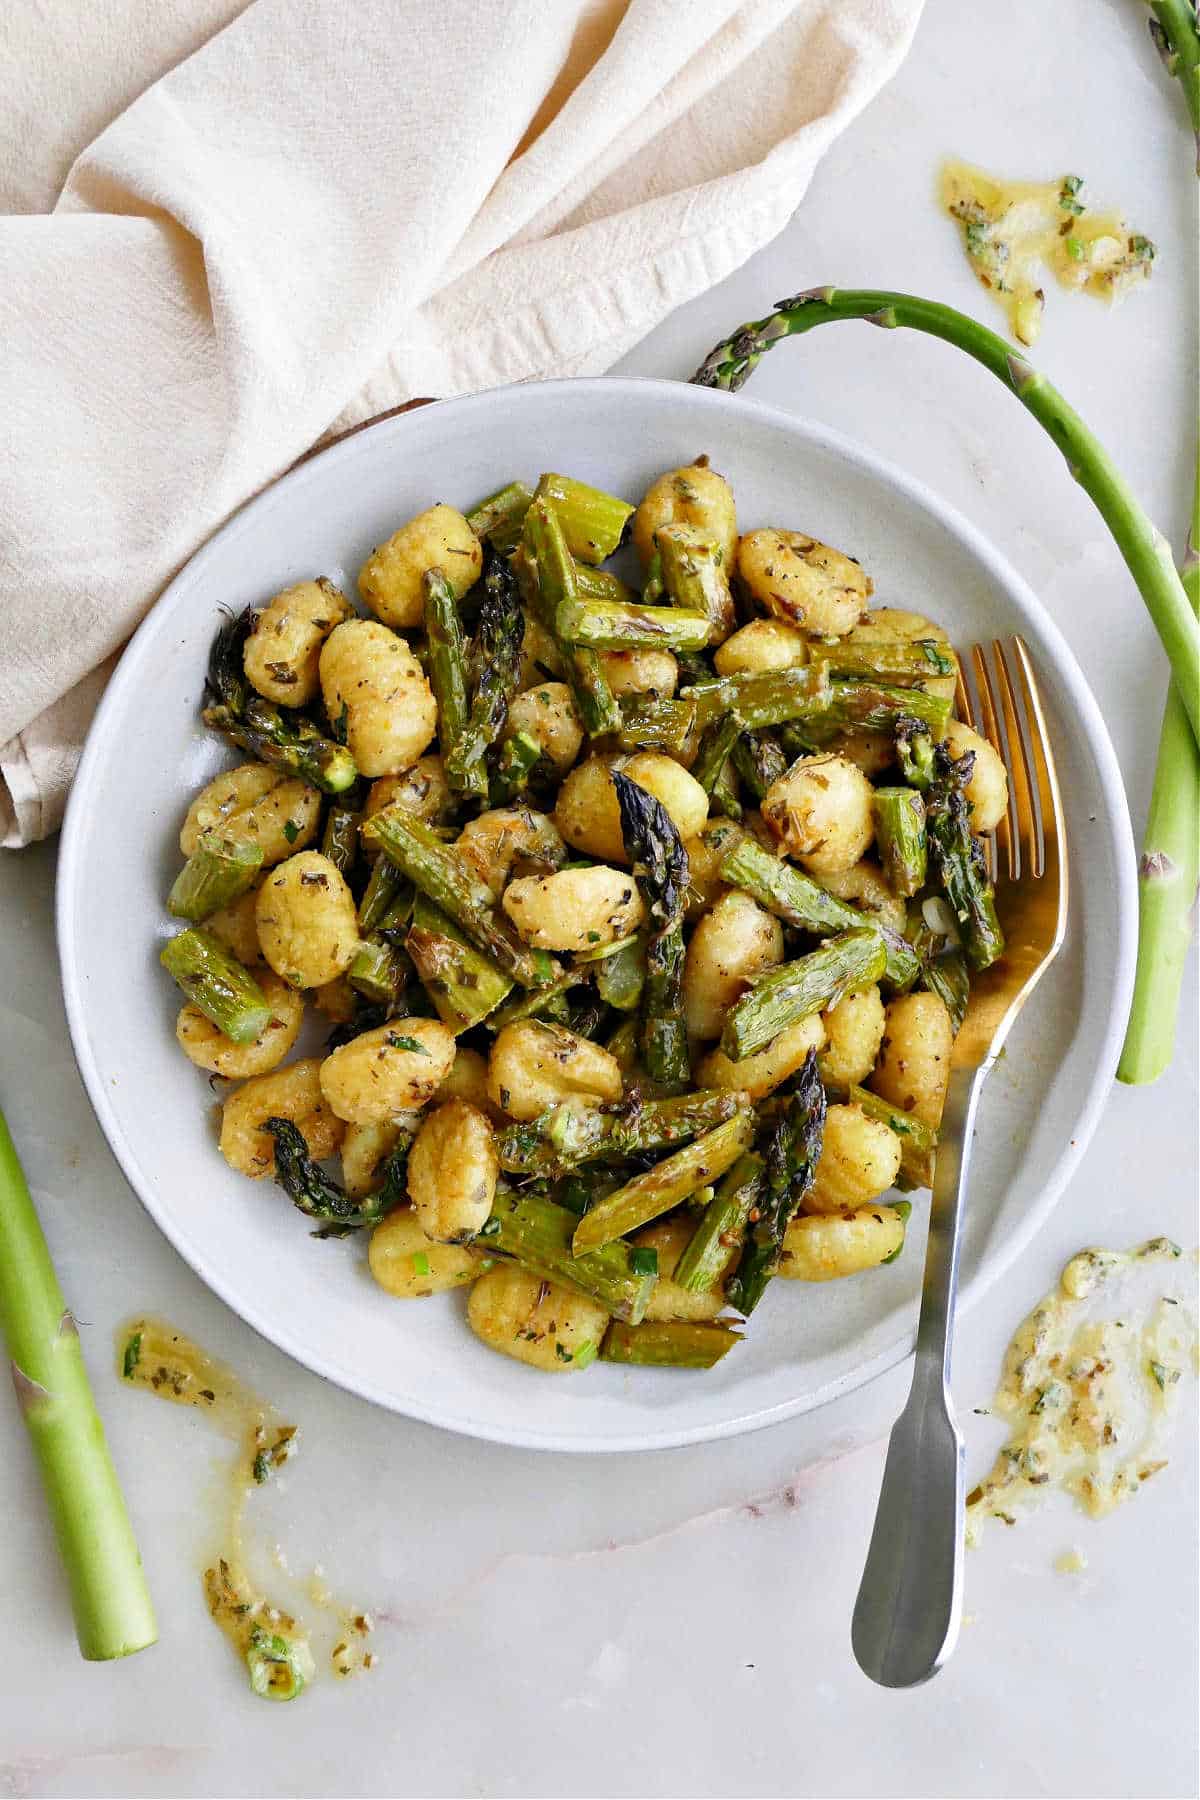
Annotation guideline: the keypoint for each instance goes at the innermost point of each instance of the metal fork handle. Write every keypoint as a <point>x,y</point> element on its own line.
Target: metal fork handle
<point>909,1605</point>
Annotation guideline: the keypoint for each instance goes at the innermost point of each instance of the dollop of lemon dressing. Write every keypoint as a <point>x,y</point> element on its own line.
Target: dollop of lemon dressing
<point>1088,1400</point>
<point>1013,230</point>
<point>275,1647</point>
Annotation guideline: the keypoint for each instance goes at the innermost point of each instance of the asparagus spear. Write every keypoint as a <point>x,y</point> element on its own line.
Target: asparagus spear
<point>654,847</point>
<point>1147,553</point>
<point>722,1227</point>
<point>770,698</point>
<point>914,752</point>
<point>798,900</point>
<point>918,1141</point>
<point>447,661</point>
<point>537,1234</point>
<point>464,985</point>
<point>653,587</point>
<point>380,969</point>
<point>564,1136</point>
<point>793,1151</point>
<point>519,756</point>
<point>593,522</point>
<point>656,724</point>
<point>546,544</point>
<point>288,743</point>
<point>340,840</point>
<point>444,876</point>
<point>316,1194</point>
<point>875,706</point>
<point>602,584</point>
<point>796,990</point>
<point>384,884</point>
<point>900,661</point>
<point>218,871</point>
<point>109,1599</point>
<point>656,1190</point>
<point>900,838</point>
<point>225,679</point>
<point>496,664</point>
<point>694,575</point>
<point>716,746</point>
<point>957,857</point>
<point>759,761</point>
<point>947,976</point>
<point>621,625</point>
<point>664,1345</point>
<point>218,984</point>
<point>498,519</point>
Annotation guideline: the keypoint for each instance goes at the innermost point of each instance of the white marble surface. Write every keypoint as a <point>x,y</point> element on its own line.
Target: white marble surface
<point>678,1624</point>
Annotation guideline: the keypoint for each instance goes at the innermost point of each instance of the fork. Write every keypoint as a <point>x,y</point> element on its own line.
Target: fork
<point>908,1611</point>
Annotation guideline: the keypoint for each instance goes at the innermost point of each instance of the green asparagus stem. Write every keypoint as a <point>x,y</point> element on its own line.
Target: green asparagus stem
<point>537,1234</point>
<point>109,1599</point>
<point>546,547</point>
<point>447,661</point>
<point>279,1667</point>
<point>658,1189</point>
<point>873,706</point>
<point>793,1151</point>
<point>379,971</point>
<point>464,984</point>
<point>622,1046</point>
<point>340,840</point>
<point>726,794</point>
<point>655,849</point>
<point>1145,550</point>
<point>664,1345</point>
<point>918,1141</point>
<point>957,857</point>
<point>759,761</point>
<point>767,699</point>
<point>384,884</point>
<point>798,900</point>
<point>900,838</point>
<point>947,976</point>
<point>602,584</point>
<point>215,982</point>
<point>288,743</point>
<point>621,978</point>
<point>316,1194</point>
<point>445,876</point>
<point>225,679</point>
<point>1176,37</point>
<point>653,588</point>
<point>564,1136</point>
<point>796,990</point>
<point>498,519</point>
<point>716,746</point>
<point>548,1002</point>
<point>593,522</point>
<point>621,625</point>
<point>496,664</point>
<point>519,757</point>
<point>900,661</point>
<point>654,724</point>
<point>218,871</point>
<point>722,1227</point>
<point>695,576</point>
<point>914,753</point>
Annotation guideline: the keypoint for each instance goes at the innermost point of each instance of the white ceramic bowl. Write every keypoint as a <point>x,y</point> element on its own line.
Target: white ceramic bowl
<point>148,753</point>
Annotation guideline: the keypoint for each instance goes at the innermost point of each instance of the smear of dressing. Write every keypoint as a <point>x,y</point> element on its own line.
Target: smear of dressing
<point>275,1647</point>
<point>1013,230</point>
<point>1088,1400</point>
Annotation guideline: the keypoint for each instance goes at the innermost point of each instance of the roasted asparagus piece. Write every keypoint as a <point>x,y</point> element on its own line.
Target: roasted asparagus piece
<point>793,1151</point>
<point>593,522</point>
<point>288,743</point>
<point>219,870</point>
<point>546,547</point>
<point>656,1190</point>
<point>796,990</point>
<point>623,625</point>
<point>667,1345</point>
<point>447,666</point>
<point>537,1233</point>
<point>215,982</point>
<point>957,857</point>
<point>918,1141</point>
<point>722,1227</point>
<point>900,838</point>
<point>496,669</point>
<point>566,1135</point>
<point>315,1193</point>
<point>498,519</point>
<point>660,864</point>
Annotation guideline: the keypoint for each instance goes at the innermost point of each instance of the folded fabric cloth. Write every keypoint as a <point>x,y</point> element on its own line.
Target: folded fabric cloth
<point>321,211</point>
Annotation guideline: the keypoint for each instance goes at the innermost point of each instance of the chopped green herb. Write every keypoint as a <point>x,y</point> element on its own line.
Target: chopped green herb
<point>1141,249</point>
<point>340,724</point>
<point>420,1262</point>
<point>1164,1376</point>
<point>1068,192</point>
<point>1075,249</point>
<point>133,1355</point>
<point>396,1042</point>
<point>562,1353</point>
<point>291,830</point>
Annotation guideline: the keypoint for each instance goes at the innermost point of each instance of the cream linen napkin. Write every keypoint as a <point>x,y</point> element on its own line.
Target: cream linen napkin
<point>324,210</point>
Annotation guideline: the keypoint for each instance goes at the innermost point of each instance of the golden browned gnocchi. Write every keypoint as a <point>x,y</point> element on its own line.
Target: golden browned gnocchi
<point>254,804</point>
<point>371,680</point>
<point>292,1093</point>
<point>820,811</point>
<point>468,1080</point>
<point>547,714</point>
<point>452,1171</point>
<point>390,581</point>
<point>863,886</point>
<point>732,944</point>
<point>307,921</point>
<point>409,1266</point>
<point>987,790</point>
<point>853,1034</point>
<point>575,909</point>
<point>760,646</point>
<point>670,1238</point>
<point>235,927</point>
<point>389,1070</point>
<point>537,1322</point>
<point>284,647</point>
<point>209,1048</point>
<point>421,790</point>
<point>534,1065</point>
<point>793,576</point>
<point>760,1074</point>
<point>914,1058</point>
<point>860,1159</point>
<point>588,814</point>
<point>510,840</point>
<point>696,496</point>
<point>640,672</point>
<point>828,1247</point>
<point>366,1147</point>
<point>705,853</point>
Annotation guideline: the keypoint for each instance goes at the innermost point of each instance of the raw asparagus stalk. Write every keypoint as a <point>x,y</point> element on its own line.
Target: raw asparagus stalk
<point>957,858</point>
<point>914,752</point>
<point>658,1189</point>
<point>664,1345</point>
<point>722,1227</point>
<point>447,661</point>
<point>770,698</point>
<point>899,661</point>
<point>546,545</point>
<point>793,1151</point>
<point>444,876</point>
<point>318,1195</point>
<point>566,1135</point>
<point>496,666</point>
<point>695,576</point>
<point>918,1141</point>
<point>217,983</point>
<point>655,849</point>
<point>798,900</point>
<point>759,761</point>
<point>519,756</point>
<point>1146,552</point>
<point>654,724</point>
<point>621,978</point>
<point>464,984</point>
<point>537,1234</point>
<point>622,625</point>
<point>1176,36</point>
<point>900,838</point>
<point>593,522</point>
<point>340,840</point>
<point>291,744</point>
<point>109,1598</point>
<point>219,870</point>
<point>498,519</point>
<point>796,990</point>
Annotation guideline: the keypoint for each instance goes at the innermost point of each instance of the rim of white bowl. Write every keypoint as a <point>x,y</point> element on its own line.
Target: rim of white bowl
<point>993,1266</point>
